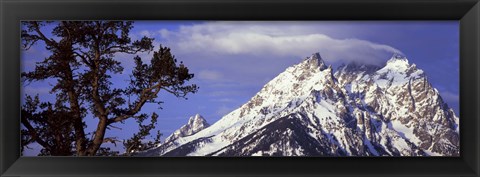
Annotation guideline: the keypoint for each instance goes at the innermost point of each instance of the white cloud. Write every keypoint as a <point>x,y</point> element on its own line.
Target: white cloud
<point>164,33</point>
<point>209,75</point>
<point>273,40</point>
<point>248,54</point>
<point>146,33</point>
<point>222,93</point>
<point>224,100</point>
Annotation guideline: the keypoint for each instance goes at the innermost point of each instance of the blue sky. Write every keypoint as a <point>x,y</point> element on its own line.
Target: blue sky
<point>233,60</point>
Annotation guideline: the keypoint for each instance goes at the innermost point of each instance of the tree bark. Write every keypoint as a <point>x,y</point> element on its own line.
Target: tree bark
<point>99,105</point>
<point>80,141</point>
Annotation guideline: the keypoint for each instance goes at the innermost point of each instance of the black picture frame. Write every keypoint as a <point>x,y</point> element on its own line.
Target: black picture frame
<point>13,11</point>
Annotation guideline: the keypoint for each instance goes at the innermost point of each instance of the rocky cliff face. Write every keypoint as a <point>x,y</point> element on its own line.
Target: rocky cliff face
<point>310,110</point>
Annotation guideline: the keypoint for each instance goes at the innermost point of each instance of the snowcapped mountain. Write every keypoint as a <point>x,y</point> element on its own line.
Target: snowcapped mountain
<point>194,125</point>
<point>310,110</point>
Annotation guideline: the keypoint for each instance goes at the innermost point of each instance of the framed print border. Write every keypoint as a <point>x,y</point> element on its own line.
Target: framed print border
<point>14,11</point>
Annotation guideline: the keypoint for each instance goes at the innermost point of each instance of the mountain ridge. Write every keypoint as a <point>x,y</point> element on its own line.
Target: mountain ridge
<point>358,110</point>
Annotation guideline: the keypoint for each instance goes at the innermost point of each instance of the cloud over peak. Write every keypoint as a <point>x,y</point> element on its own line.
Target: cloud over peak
<point>259,39</point>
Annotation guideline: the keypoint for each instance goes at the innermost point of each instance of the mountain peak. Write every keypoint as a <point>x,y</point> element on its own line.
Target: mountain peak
<point>195,124</point>
<point>398,58</point>
<point>197,121</point>
<point>316,55</point>
<point>398,62</point>
<point>316,60</point>
<point>196,116</point>
<point>308,112</point>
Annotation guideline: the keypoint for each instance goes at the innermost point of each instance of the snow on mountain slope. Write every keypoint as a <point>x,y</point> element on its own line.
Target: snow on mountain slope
<point>310,110</point>
<point>194,125</point>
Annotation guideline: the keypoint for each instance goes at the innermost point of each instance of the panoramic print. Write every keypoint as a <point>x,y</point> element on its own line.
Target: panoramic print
<point>240,88</point>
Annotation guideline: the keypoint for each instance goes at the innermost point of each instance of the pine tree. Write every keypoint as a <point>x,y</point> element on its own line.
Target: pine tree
<point>83,62</point>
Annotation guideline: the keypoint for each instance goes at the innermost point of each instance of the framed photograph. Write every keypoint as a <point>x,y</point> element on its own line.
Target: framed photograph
<point>240,88</point>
